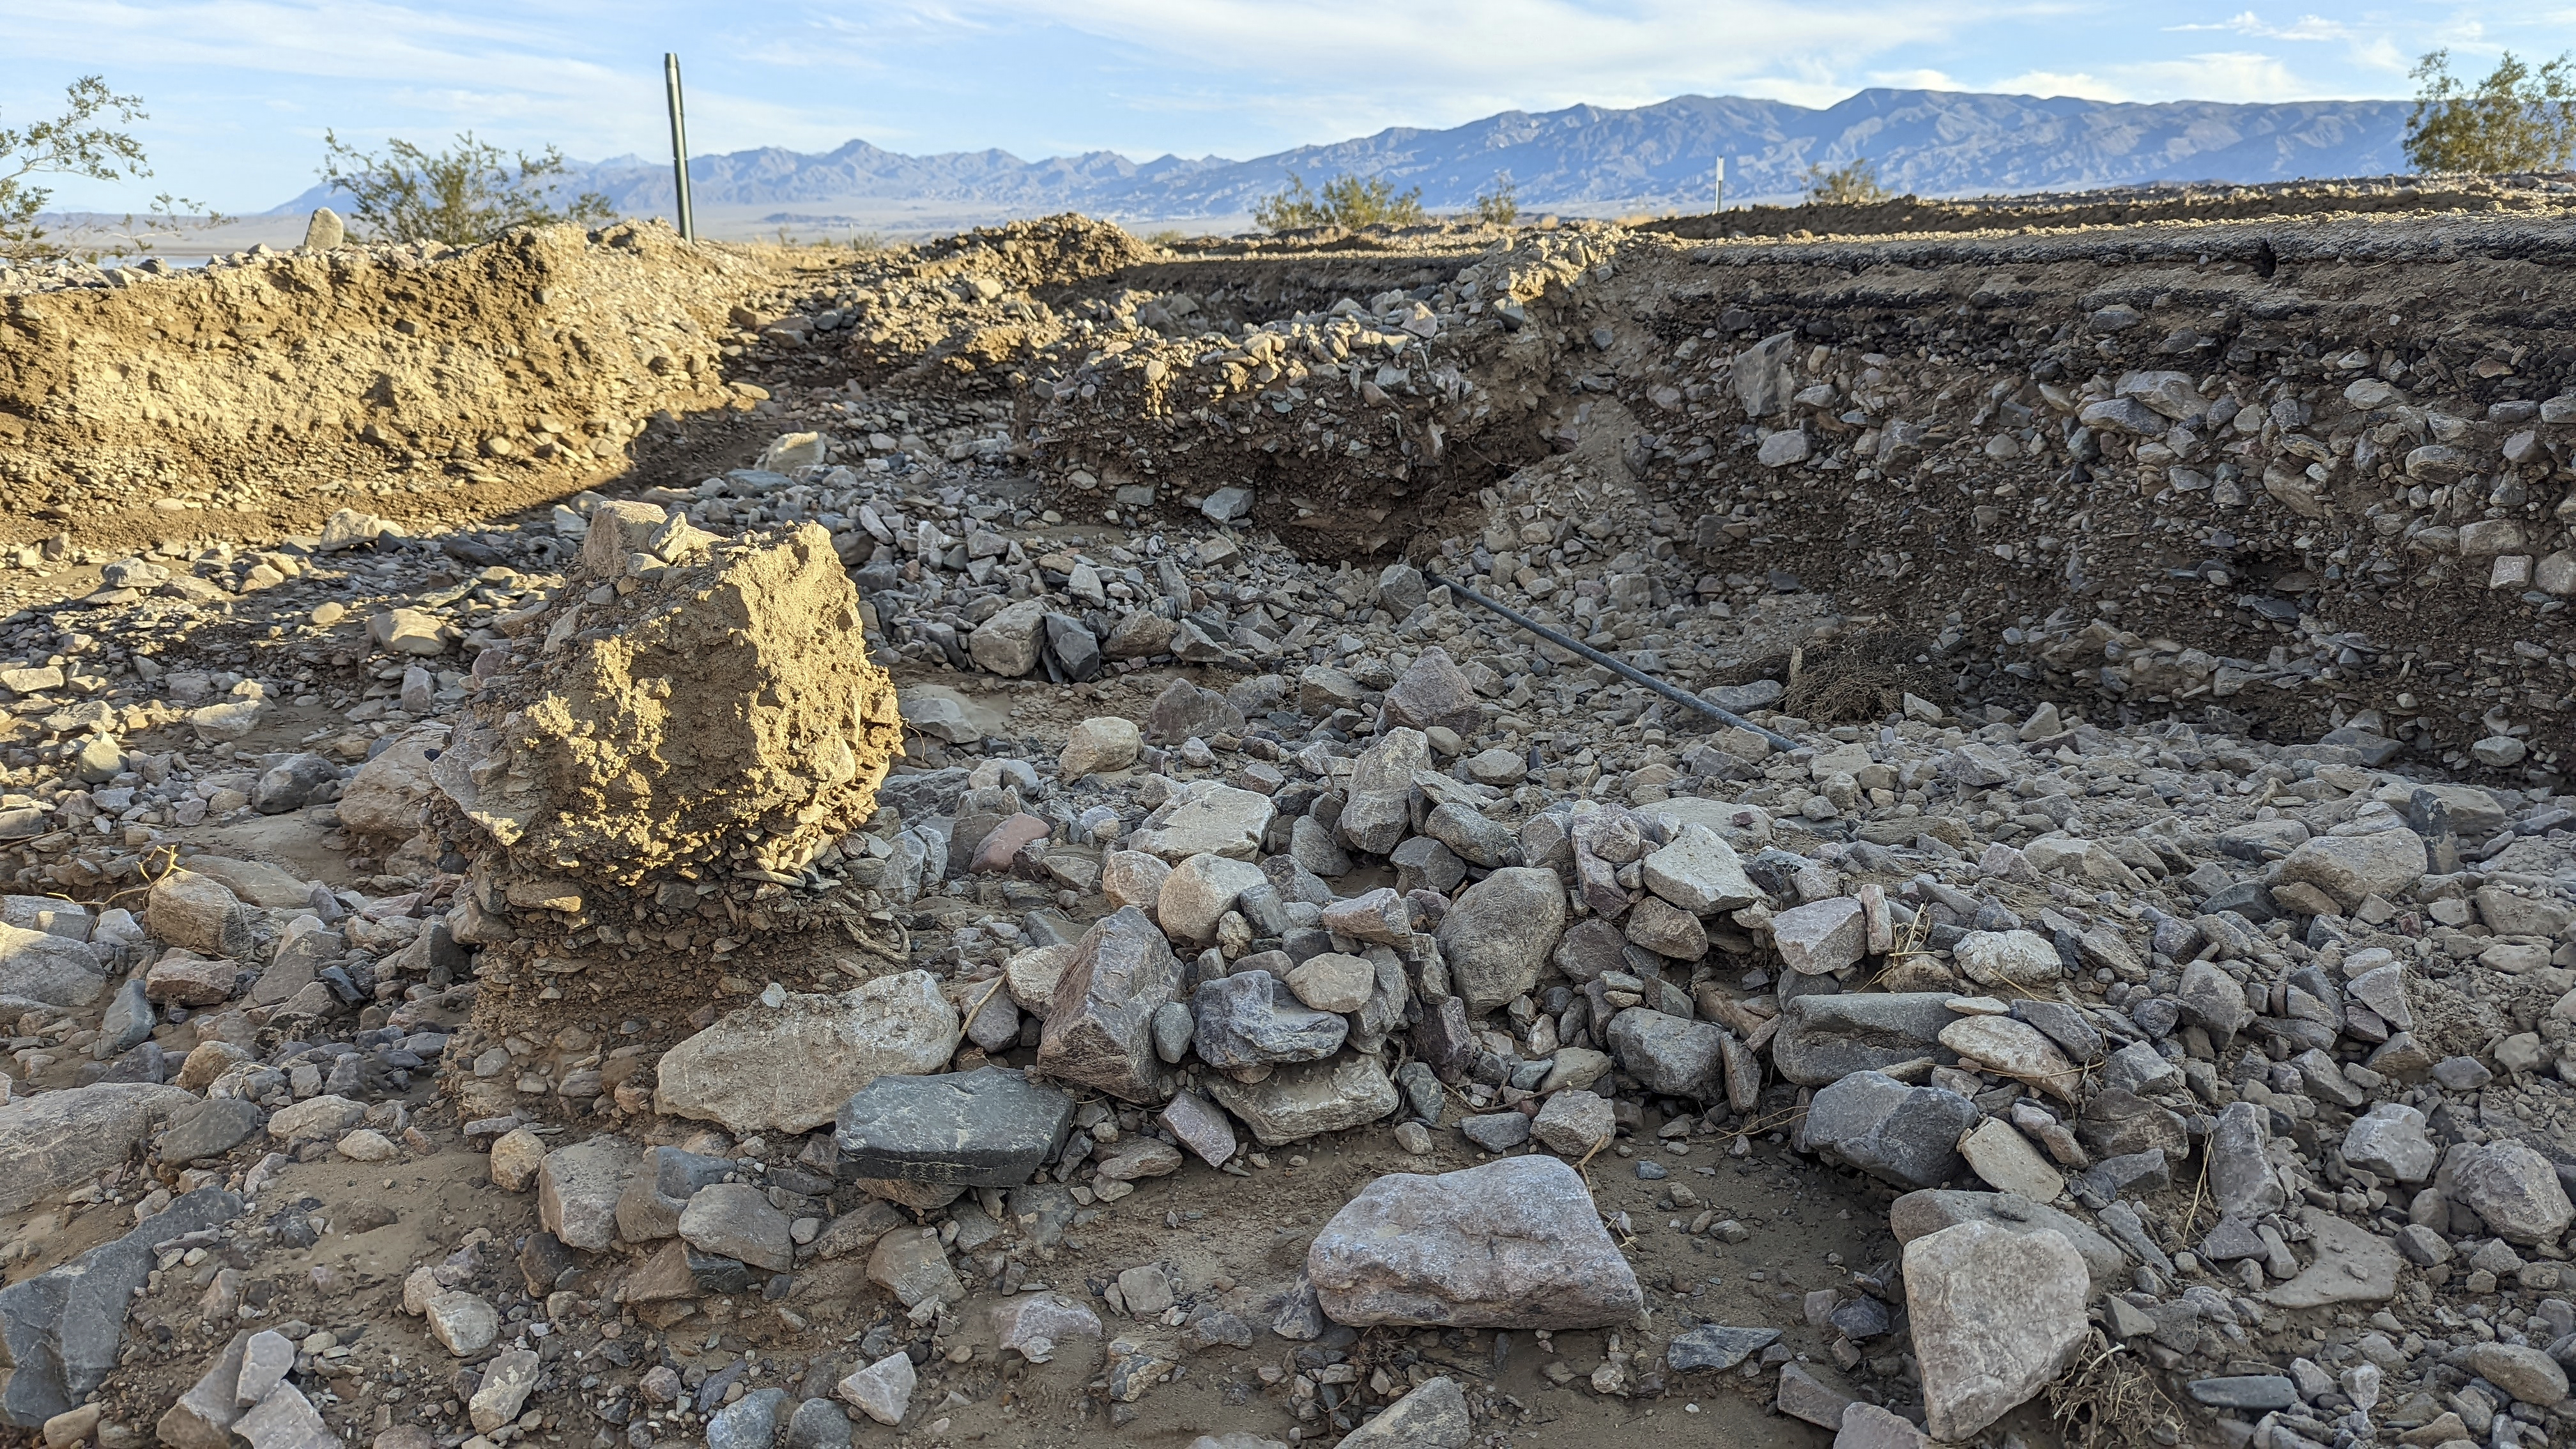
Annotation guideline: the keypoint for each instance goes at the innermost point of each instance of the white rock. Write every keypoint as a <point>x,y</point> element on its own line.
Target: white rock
<point>882,1390</point>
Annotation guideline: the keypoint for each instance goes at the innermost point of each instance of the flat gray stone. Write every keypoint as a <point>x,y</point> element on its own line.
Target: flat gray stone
<point>1902,1134</point>
<point>1824,1038</point>
<point>1716,1346</point>
<point>54,1141</point>
<point>991,1127</point>
<point>62,1328</point>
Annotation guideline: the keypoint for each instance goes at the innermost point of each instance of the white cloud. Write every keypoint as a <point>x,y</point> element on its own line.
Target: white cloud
<point>2219,76</point>
<point>2306,27</point>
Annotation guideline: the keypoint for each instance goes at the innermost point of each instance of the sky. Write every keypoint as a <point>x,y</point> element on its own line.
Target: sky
<point>240,92</point>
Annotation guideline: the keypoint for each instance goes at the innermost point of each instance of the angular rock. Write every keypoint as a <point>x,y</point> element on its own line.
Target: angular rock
<point>1515,1243</point>
<point>790,1067</point>
<point>1700,873</point>
<point>1669,1055</point>
<point>991,1127</point>
<point>2531,1376</point>
<point>1036,1324</point>
<point>1905,1135</point>
<point>1822,937</point>
<point>1308,1098</point>
<point>1333,982</point>
<point>1920,1214</point>
<point>1499,932</point>
<point>204,1416</point>
<point>649,1208</point>
<point>1099,1028</point>
<point>2008,1163</point>
<point>1825,1038</point>
<point>2241,1179</point>
<point>1432,692</point>
<point>2352,868</point>
<point>1251,1018</point>
<point>1574,1123</point>
<point>200,913</point>
<point>2389,1140</point>
<point>1716,1346</point>
<point>882,1390</point>
<point>734,1220</point>
<point>507,1381</point>
<point>2511,1188</point>
<point>1996,1315</point>
<point>1433,1415</point>
<point>1198,893</point>
<point>2008,959</point>
<point>1214,820</point>
<point>208,1128</point>
<point>578,1189</point>
<point>1202,1128</point>
<point>1379,809</point>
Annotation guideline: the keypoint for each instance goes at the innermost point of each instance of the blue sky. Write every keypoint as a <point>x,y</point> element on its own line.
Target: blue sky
<point>240,91</point>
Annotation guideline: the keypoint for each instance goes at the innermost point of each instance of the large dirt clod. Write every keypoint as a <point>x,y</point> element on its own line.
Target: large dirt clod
<point>723,708</point>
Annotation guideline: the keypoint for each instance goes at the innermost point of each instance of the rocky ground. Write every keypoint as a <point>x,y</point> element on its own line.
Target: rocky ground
<point>510,978</point>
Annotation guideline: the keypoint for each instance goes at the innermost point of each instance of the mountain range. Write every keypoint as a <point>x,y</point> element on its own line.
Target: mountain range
<point>1583,160</point>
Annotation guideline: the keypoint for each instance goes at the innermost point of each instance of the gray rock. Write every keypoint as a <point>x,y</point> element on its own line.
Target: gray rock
<point>1401,590</point>
<point>204,1416</point>
<point>41,966</point>
<point>1574,1123</point>
<point>1499,932</point>
<point>578,1189</point>
<point>1905,1135</point>
<point>1174,1030</point>
<point>293,783</point>
<point>1828,1037</point>
<point>128,1020</point>
<point>734,1220</point>
<point>2352,868</point>
<point>1920,1214</point>
<point>1185,711</point>
<point>1431,1416</point>
<point>648,1210</point>
<point>1822,937</point>
<point>1515,1243</point>
<point>1304,1099</point>
<point>1099,1030</point>
<point>790,1067</point>
<point>991,1127</point>
<point>507,1381</point>
<point>325,230</point>
<point>60,1329</point>
<point>2256,1392</point>
<point>2140,1068</point>
<point>2511,1188</point>
<point>1716,1346</point>
<point>882,1390</point>
<point>208,1128</point>
<point>1379,809</point>
<point>818,1424</point>
<point>2531,1376</point>
<point>1251,1019</point>
<point>1496,1131</point>
<point>2389,1140</point>
<point>54,1141</point>
<point>1996,1315</point>
<point>2241,1179</point>
<point>1699,872</point>
<point>1669,1055</point>
<point>1432,692</point>
<point>2212,1000</point>
<point>1471,837</point>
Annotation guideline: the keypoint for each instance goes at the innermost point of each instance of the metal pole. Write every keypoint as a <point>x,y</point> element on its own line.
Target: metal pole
<point>1721,185</point>
<point>679,147</point>
<point>1563,641</point>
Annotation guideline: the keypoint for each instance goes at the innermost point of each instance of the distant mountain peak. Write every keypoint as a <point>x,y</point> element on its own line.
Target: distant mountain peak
<point>1581,159</point>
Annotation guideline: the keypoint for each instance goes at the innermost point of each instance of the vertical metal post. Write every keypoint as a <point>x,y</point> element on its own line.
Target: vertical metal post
<point>1721,185</point>
<point>679,147</point>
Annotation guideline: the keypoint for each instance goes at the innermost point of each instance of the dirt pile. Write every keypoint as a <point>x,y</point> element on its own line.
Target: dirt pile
<point>415,380</point>
<point>662,769</point>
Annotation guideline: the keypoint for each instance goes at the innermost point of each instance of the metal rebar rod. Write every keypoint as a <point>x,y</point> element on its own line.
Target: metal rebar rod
<point>1629,671</point>
<point>679,148</point>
